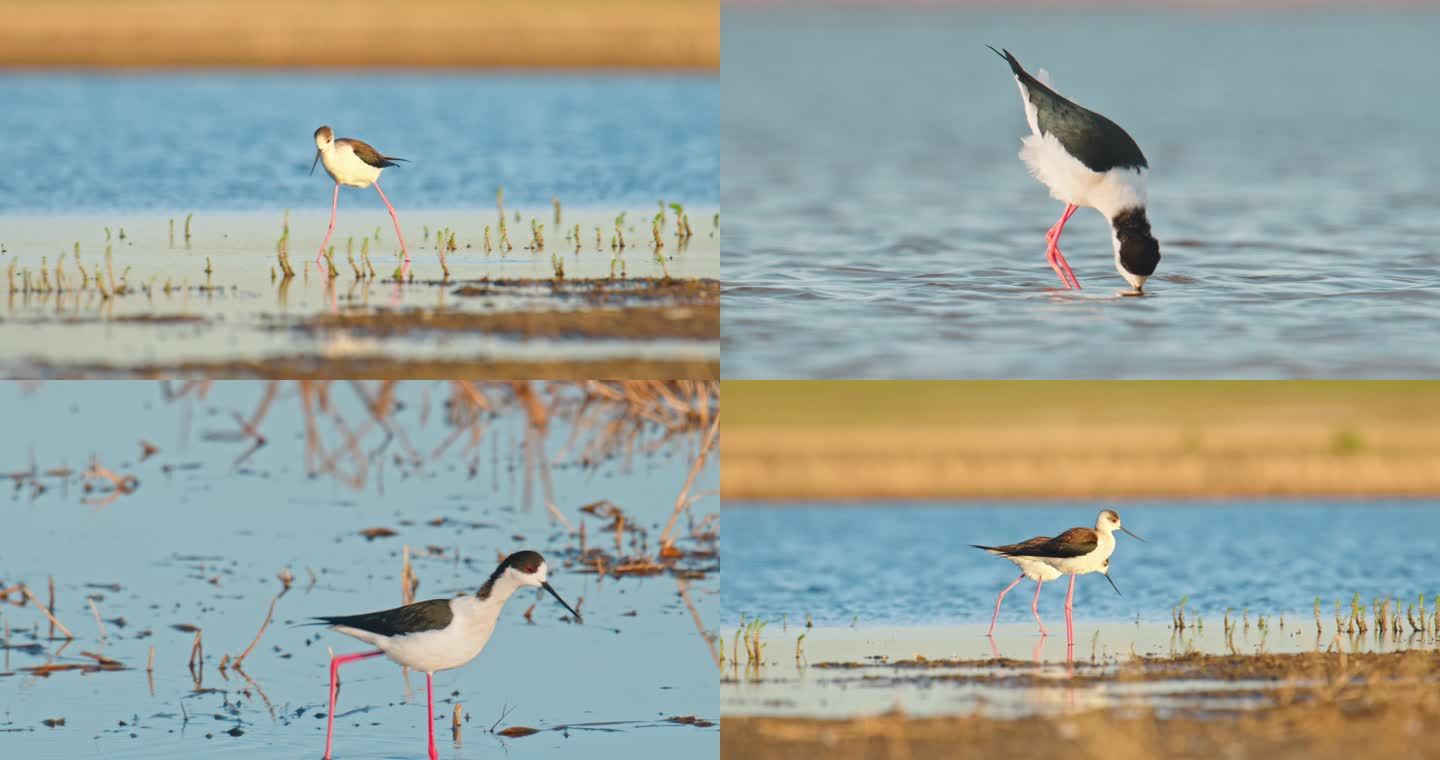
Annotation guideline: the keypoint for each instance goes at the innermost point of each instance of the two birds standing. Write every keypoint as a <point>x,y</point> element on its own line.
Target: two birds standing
<point>1075,552</point>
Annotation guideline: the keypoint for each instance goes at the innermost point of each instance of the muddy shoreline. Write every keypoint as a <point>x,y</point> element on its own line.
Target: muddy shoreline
<point>1313,705</point>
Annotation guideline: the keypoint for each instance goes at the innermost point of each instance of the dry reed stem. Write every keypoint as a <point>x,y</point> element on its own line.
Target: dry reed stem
<point>408,582</point>
<point>53,621</point>
<point>197,655</point>
<point>684,586</point>
<point>682,501</point>
<point>98,622</point>
<point>261,632</point>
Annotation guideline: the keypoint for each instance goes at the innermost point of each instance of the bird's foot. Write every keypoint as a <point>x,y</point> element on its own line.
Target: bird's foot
<point>1062,268</point>
<point>1053,257</point>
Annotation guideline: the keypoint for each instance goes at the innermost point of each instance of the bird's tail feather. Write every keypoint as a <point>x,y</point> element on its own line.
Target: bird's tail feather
<point>1009,58</point>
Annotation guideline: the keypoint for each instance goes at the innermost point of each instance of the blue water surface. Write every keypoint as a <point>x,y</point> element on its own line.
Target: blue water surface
<point>872,179</point>
<point>891,564</point>
<point>206,140</point>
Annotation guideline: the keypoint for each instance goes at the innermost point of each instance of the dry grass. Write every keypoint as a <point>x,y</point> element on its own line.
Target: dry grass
<point>669,34</point>
<point>1077,439</point>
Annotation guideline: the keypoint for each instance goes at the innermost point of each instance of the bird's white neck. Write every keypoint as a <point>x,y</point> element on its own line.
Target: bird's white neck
<point>502,589</point>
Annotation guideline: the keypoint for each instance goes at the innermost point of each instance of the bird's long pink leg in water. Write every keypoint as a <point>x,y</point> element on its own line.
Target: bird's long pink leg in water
<point>430,713</point>
<point>997,604</point>
<point>333,203</point>
<point>1069,610</point>
<point>1035,608</point>
<point>395,219</point>
<point>335,663</point>
<point>1052,251</point>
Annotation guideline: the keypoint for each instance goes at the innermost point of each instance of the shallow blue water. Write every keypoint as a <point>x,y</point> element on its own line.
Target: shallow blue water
<point>911,564</point>
<point>244,141</point>
<point>871,178</point>
<point>202,538</point>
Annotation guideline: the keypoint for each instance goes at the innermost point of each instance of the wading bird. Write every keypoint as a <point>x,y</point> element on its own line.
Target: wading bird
<point>1075,552</point>
<point>1087,160</point>
<point>438,634</point>
<point>351,162</point>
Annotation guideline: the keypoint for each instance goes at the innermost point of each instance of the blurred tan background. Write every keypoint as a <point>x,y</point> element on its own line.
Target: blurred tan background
<point>620,34</point>
<point>917,440</point>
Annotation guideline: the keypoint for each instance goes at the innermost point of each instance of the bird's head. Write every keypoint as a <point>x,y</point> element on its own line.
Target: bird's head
<point>324,140</point>
<point>1136,249</point>
<point>528,568</point>
<point>1109,522</point>
<point>1105,570</point>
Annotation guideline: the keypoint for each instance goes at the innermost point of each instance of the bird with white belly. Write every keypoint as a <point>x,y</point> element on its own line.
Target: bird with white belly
<point>1087,160</point>
<point>1075,552</point>
<point>438,634</point>
<point>352,163</point>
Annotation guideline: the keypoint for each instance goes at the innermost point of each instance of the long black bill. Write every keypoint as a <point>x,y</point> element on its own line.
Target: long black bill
<point>1112,584</point>
<point>546,585</point>
<point>317,160</point>
<point>1132,535</point>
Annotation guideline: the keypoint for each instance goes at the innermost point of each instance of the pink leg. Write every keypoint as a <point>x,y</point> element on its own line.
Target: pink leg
<point>335,663</point>
<point>997,604</point>
<point>1069,608</point>
<point>1035,608</point>
<point>1052,250</point>
<point>430,713</point>
<point>334,202</point>
<point>395,219</point>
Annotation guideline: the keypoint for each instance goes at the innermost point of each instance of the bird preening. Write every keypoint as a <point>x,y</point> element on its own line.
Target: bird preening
<point>438,634</point>
<point>352,162</point>
<point>1075,552</point>
<point>1087,160</point>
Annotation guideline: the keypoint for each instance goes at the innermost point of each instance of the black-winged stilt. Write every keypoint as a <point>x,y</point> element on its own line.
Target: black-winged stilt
<point>438,634</point>
<point>1030,568</point>
<point>1075,552</point>
<point>352,162</point>
<point>1087,160</point>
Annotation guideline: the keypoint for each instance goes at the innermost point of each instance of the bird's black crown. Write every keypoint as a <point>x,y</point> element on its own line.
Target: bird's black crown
<point>525,561</point>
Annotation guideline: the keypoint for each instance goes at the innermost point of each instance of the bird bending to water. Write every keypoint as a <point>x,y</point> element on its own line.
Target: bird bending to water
<point>354,163</point>
<point>438,634</point>
<point>1075,552</point>
<point>1087,160</point>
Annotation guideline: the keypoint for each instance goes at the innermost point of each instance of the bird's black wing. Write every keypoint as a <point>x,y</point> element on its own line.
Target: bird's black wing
<point>1072,543</point>
<point>368,154</point>
<point>412,618</point>
<point>1097,142</point>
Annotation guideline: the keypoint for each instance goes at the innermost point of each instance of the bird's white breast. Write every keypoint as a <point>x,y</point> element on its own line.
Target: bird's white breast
<point>439,649</point>
<point>345,167</point>
<point>1088,563</point>
<point>1072,182</point>
<point>1035,569</point>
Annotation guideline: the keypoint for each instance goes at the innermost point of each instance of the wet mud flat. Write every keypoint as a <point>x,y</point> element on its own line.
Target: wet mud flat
<point>469,302</point>
<point>1314,705</point>
<point>624,309</point>
<point>1278,686</point>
